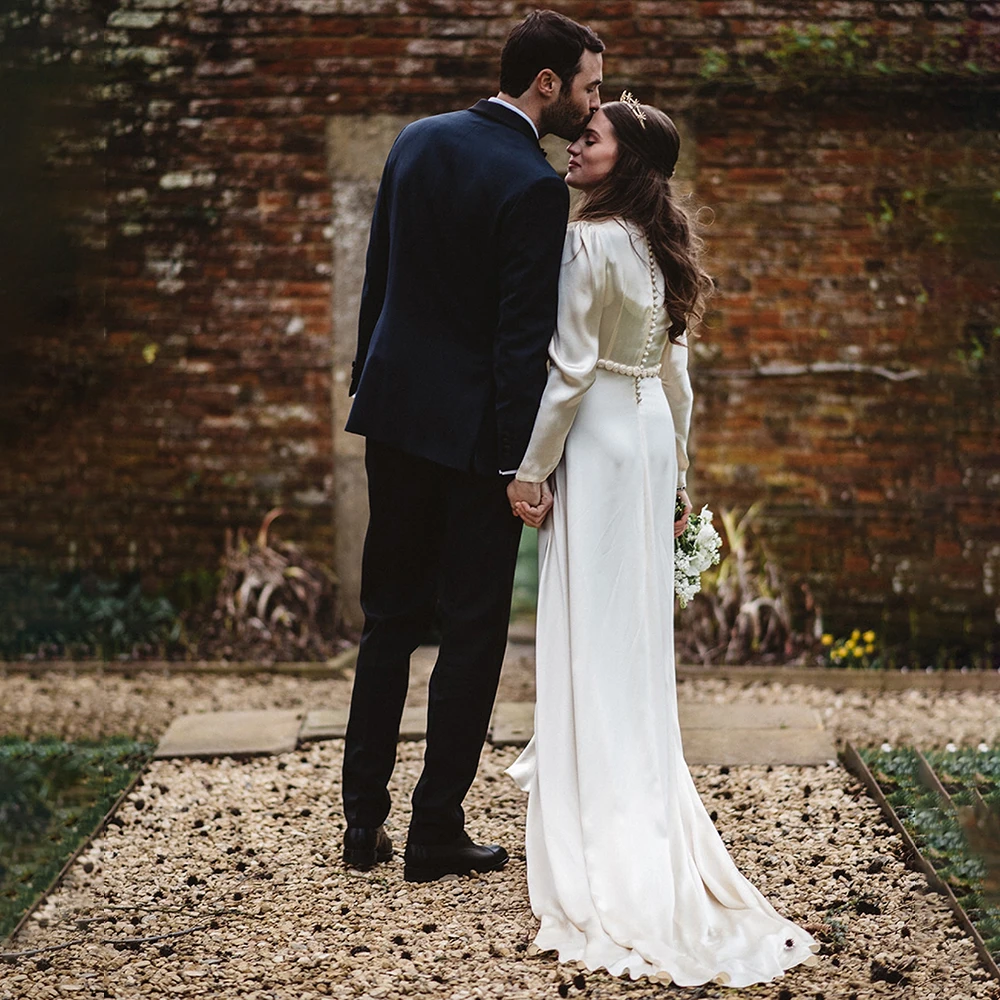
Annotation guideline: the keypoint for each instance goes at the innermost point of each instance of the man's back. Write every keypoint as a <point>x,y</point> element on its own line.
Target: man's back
<point>460,290</point>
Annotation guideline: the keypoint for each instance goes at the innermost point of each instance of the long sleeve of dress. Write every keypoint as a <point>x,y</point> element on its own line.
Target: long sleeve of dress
<point>573,352</point>
<point>680,397</point>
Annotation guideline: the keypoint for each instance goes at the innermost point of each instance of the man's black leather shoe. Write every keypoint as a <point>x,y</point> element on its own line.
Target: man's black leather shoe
<point>427,862</point>
<point>366,846</point>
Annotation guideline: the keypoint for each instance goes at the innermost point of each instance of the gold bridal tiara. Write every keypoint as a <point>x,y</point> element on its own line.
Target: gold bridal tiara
<point>634,106</point>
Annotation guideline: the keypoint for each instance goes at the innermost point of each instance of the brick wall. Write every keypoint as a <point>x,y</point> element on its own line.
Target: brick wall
<point>885,490</point>
<point>214,396</point>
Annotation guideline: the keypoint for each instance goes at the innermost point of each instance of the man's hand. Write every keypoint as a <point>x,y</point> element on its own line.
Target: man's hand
<point>519,492</point>
<point>531,502</point>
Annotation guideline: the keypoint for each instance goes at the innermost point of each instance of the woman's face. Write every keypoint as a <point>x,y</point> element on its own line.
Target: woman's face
<point>593,155</point>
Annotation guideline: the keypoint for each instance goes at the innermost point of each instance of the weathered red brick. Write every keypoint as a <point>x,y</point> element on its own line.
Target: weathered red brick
<point>791,186</point>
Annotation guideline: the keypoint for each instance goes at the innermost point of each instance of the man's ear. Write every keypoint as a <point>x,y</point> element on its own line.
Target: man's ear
<point>548,84</point>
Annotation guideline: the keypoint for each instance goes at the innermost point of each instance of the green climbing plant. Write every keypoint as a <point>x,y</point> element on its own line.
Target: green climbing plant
<point>807,57</point>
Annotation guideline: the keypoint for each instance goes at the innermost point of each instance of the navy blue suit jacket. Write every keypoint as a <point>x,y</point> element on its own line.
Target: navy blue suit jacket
<point>460,292</point>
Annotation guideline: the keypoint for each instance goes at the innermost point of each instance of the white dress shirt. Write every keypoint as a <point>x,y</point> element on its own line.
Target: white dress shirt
<point>517,111</point>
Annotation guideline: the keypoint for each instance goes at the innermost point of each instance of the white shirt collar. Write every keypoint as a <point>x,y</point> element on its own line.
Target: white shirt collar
<point>516,110</point>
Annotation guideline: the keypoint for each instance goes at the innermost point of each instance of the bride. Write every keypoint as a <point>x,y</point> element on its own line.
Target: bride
<point>625,869</point>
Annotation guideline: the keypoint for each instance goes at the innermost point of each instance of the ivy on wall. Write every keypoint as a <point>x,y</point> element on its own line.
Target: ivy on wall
<point>955,231</point>
<point>813,56</point>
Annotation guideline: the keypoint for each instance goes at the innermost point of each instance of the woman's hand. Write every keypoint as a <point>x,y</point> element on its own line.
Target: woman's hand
<point>534,516</point>
<point>682,522</point>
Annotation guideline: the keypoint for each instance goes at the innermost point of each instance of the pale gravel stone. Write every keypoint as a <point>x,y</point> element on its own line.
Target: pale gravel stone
<point>298,923</point>
<point>269,947</point>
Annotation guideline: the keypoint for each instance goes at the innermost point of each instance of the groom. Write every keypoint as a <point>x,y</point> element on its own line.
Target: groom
<point>457,309</point>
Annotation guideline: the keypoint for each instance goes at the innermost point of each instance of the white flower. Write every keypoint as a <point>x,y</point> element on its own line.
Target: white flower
<point>951,748</point>
<point>706,534</point>
<point>694,552</point>
<point>983,748</point>
<point>886,747</point>
<point>700,561</point>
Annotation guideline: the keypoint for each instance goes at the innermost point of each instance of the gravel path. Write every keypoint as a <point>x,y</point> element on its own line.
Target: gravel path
<point>246,852</point>
<point>95,705</point>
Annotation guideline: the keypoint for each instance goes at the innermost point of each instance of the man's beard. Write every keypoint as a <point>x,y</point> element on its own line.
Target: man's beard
<point>563,119</point>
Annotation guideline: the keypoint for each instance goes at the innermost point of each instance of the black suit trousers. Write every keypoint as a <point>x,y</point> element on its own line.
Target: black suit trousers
<point>438,538</point>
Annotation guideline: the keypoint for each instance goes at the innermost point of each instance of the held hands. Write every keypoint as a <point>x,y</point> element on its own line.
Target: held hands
<point>531,502</point>
<point>682,522</point>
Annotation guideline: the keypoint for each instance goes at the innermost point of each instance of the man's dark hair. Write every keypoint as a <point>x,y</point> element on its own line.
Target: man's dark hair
<point>544,40</point>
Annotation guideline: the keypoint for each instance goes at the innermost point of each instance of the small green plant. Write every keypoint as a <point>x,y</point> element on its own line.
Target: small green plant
<point>980,348</point>
<point>812,56</point>
<point>799,51</point>
<point>52,796</point>
<point>795,54</point>
<point>962,843</point>
<point>837,934</point>
<point>79,615</point>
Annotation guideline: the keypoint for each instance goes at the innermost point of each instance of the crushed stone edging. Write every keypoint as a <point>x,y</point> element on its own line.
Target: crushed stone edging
<point>833,678</point>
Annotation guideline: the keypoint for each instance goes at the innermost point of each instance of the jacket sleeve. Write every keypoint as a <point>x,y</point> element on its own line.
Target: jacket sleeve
<point>680,397</point>
<point>530,240</point>
<point>573,352</point>
<point>376,272</point>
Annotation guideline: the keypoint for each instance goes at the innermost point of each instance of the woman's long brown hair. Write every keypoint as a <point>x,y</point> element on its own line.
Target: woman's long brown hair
<point>638,189</point>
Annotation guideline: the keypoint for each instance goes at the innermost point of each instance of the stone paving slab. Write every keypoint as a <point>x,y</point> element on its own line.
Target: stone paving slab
<point>231,734</point>
<point>414,723</point>
<point>758,746</point>
<point>713,734</point>
<point>748,716</point>
<point>513,724</point>
<point>331,724</point>
<point>324,724</point>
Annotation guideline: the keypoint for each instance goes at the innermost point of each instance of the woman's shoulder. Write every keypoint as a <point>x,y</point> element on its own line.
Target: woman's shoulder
<point>601,231</point>
<point>598,227</point>
<point>608,237</point>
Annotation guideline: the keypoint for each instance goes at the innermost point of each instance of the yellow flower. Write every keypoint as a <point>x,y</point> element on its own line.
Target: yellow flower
<point>855,635</point>
<point>869,636</point>
<point>827,639</point>
<point>851,643</point>
<point>858,652</point>
<point>869,648</point>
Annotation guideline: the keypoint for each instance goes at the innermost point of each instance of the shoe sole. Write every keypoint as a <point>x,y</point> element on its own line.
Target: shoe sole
<point>364,859</point>
<point>431,873</point>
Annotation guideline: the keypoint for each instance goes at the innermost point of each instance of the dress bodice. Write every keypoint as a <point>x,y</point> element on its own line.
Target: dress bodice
<point>633,323</point>
<point>611,318</point>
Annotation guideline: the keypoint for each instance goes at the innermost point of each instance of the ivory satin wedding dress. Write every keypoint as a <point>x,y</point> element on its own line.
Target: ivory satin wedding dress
<point>625,869</point>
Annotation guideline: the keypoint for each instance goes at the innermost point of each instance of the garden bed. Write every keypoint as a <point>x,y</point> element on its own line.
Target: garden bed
<point>946,806</point>
<point>54,796</point>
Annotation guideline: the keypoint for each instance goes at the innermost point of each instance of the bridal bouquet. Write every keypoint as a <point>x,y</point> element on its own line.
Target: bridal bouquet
<point>694,551</point>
